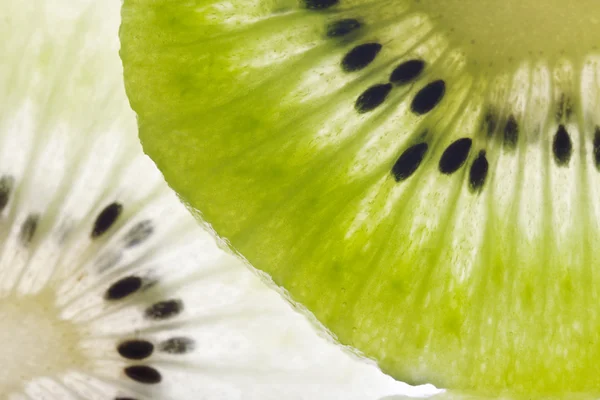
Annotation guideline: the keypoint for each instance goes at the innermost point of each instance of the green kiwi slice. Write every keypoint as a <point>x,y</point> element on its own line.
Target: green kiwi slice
<point>422,176</point>
<point>109,289</point>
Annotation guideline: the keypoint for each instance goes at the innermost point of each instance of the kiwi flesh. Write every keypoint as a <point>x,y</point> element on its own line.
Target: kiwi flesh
<point>422,176</point>
<point>109,289</point>
<point>85,286</point>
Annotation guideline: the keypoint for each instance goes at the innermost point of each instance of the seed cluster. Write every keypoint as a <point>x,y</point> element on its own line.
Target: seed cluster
<point>429,96</point>
<point>142,349</point>
<point>139,350</point>
<point>426,99</point>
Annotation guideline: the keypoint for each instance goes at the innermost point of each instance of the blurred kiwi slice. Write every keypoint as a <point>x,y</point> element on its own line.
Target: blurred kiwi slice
<point>422,176</point>
<point>109,289</point>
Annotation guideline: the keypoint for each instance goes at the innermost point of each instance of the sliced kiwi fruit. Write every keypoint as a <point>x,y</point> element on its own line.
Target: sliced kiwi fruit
<point>422,176</point>
<point>109,289</point>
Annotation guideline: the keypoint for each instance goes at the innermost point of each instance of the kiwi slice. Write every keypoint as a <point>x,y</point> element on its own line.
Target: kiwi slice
<point>109,289</point>
<point>421,175</point>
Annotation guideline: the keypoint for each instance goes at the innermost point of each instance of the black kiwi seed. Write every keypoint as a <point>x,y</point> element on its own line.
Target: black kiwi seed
<point>596,149</point>
<point>490,122</point>
<point>123,288</point>
<point>428,97</point>
<point>135,349</point>
<point>455,155</point>
<point>319,4</point>
<point>360,56</point>
<point>478,172</point>
<point>107,217</point>
<point>29,228</point>
<point>139,233</point>
<point>143,374</point>
<point>6,185</point>
<point>409,161</point>
<point>562,146</point>
<point>372,97</point>
<point>511,133</point>
<point>342,27</point>
<point>407,71</point>
<point>164,309</point>
<point>177,345</point>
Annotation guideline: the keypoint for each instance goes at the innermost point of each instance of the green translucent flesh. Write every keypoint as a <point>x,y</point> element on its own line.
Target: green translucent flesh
<point>245,110</point>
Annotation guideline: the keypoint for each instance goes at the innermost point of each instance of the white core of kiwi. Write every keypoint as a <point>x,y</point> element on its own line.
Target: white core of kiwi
<point>497,33</point>
<point>36,341</point>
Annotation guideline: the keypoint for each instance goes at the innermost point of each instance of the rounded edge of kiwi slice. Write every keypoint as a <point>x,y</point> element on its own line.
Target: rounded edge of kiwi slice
<point>429,196</point>
<point>109,289</point>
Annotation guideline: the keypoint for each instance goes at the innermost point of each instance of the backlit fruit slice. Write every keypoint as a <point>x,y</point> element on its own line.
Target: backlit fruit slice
<point>422,176</point>
<point>109,289</point>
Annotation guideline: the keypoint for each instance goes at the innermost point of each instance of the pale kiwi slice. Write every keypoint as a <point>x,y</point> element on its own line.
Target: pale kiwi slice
<point>423,176</point>
<point>109,289</point>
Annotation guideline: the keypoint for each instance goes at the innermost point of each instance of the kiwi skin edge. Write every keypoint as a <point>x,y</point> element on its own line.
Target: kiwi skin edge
<point>421,176</point>
<point>109,289</point>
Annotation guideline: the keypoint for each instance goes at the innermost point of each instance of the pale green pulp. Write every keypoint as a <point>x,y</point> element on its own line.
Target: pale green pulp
<point>244,108</point>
